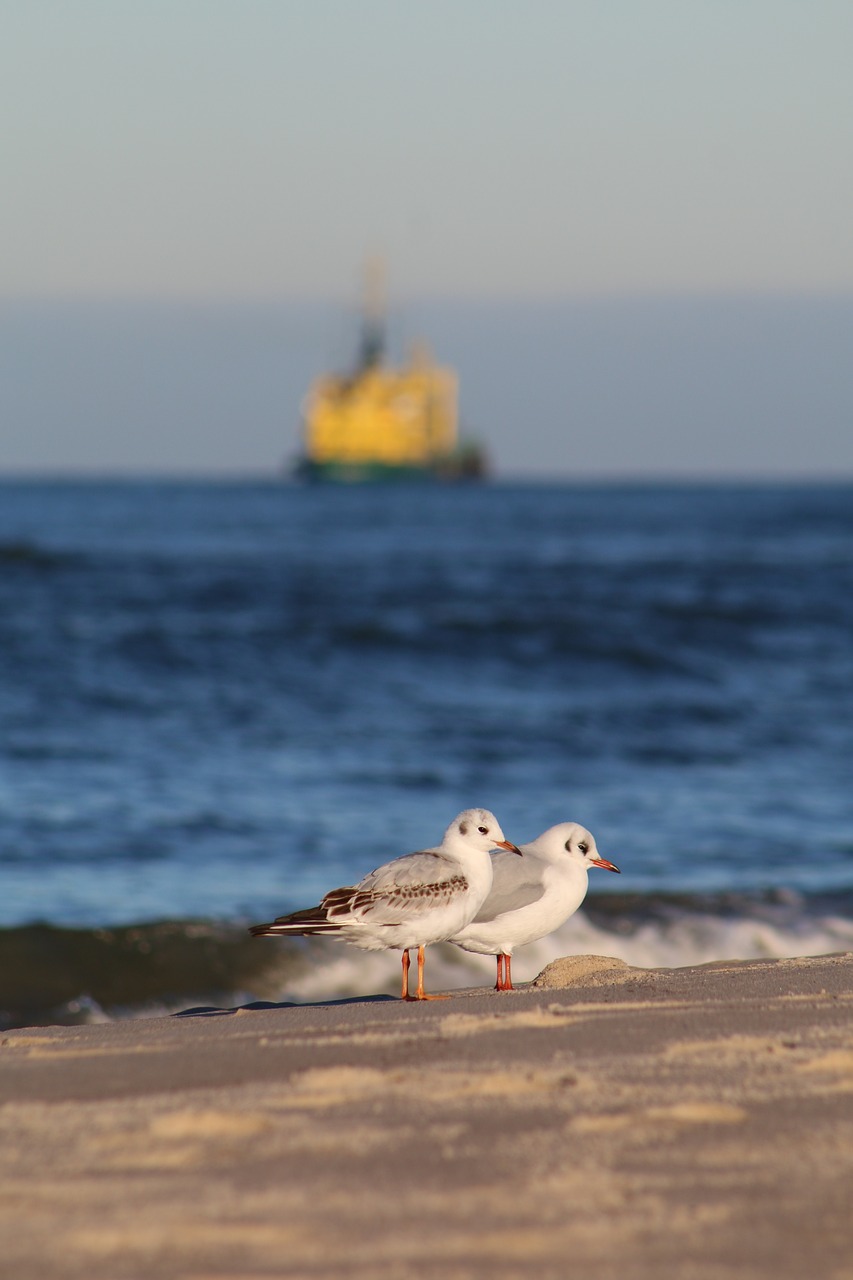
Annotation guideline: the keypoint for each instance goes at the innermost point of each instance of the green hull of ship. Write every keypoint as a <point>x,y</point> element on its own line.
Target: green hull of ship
<point>466,466</point>
<point>361,473</point>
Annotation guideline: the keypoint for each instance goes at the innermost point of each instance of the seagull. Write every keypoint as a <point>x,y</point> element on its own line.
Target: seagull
<point>531,898</point>
<point>412,901</point>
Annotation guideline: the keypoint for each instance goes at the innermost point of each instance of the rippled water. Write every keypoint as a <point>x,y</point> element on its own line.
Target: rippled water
<point>219,700</point>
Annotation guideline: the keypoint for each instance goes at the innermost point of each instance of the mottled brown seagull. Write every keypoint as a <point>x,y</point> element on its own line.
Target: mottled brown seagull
<point>414,900</point>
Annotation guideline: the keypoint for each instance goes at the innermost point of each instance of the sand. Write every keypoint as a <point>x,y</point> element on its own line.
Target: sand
<point>604,1122</point>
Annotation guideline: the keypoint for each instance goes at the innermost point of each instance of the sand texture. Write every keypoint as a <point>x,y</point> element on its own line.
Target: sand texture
<point>606,1122</point>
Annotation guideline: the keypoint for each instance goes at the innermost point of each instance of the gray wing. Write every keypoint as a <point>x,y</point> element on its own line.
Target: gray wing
<point>400,890</point>
<point>426,867</point>
<point>517,883</point>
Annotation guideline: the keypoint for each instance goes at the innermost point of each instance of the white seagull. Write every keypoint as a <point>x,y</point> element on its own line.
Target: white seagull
<point>420,898</point>
<point>531,898</point>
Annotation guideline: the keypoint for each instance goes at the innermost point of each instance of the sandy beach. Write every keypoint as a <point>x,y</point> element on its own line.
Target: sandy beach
<point>602,1122</point>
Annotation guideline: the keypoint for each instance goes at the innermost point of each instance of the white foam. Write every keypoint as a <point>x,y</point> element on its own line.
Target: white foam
<point>688,940</point>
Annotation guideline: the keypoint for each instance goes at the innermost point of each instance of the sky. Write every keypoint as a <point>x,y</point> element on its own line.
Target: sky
<point>191,187</point>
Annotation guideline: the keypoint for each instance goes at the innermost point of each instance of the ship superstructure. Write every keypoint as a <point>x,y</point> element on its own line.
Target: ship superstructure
<point>380,422</point>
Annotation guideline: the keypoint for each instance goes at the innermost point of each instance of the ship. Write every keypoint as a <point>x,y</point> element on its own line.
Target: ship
<point>381,423</point>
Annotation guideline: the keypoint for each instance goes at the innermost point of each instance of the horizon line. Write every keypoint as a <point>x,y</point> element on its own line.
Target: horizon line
<point>280,478</point>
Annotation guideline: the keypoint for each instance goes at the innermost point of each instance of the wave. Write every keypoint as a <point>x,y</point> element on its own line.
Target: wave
<point>662,931</point>
<point>50,974</point>
<point>32,556</point>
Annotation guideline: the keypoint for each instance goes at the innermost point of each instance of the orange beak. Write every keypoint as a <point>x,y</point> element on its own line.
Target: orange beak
<point>608,866</point>
<point>513,848</point>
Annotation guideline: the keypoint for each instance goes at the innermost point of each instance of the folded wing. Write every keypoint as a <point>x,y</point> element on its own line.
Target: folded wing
<point>400,890</point>
<point>517,883</point>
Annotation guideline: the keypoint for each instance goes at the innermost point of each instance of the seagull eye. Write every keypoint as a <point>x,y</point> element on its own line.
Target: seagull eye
<point>583,846</point>
<point>484,831</point>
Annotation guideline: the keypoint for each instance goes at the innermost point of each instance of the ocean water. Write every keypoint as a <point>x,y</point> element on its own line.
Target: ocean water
<point>219,700</point>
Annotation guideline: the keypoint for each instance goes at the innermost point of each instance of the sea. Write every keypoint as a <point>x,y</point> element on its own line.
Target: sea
<point>220,699</point>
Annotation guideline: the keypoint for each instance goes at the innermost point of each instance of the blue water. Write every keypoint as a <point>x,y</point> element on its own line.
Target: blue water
<point>220,700</point>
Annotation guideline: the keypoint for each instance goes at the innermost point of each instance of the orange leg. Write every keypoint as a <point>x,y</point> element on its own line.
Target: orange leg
<point>504,982</point>
<point>421,994</point>
<point>405,995</point>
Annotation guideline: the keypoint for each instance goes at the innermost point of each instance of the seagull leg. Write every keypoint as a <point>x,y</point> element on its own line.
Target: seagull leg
<point>405,995</point>
<point>421,994</point>
<point>504,982</point>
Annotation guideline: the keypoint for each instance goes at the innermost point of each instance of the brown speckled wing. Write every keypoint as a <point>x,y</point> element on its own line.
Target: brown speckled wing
<point>393,902</point>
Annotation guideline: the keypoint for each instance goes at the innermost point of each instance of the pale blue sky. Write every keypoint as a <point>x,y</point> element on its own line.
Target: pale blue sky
<point>203,148</point>
<point>626,222</point>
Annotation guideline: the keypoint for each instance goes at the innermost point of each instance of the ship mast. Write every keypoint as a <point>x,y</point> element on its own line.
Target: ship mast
<point>372,345</point>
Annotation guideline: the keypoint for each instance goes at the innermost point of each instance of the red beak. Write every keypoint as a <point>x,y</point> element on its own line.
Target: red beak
<point>608,866</point>
<point>513,848</point>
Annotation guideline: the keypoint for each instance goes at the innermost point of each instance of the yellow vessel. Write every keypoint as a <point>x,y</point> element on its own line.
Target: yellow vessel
<point>381,423</point>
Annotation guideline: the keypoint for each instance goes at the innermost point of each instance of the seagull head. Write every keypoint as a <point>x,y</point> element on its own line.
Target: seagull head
<point>569,840</point>
<point>478,829</point>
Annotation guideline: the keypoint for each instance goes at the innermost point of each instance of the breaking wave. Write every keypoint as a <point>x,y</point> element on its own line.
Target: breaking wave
<point>70,976</point>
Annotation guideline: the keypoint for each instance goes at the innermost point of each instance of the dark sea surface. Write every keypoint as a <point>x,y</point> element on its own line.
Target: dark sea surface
<point>219,700</point>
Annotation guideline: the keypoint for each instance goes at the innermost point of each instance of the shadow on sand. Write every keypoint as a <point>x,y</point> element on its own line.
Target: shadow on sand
<point>211,1011</point>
